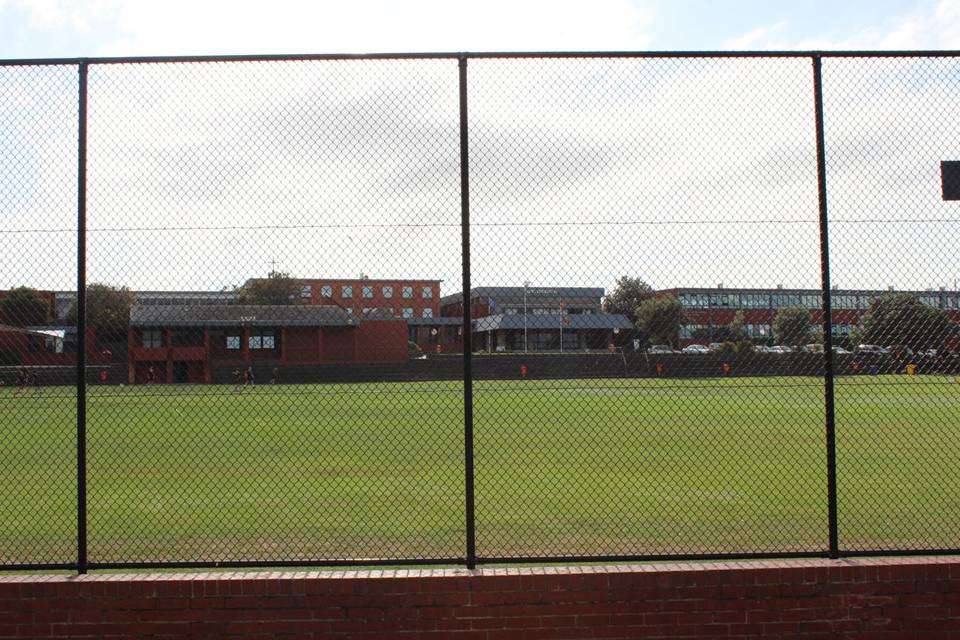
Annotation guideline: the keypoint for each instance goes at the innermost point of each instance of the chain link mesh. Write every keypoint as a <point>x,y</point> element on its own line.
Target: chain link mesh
<point>890,122</point>
<point>275,307</point>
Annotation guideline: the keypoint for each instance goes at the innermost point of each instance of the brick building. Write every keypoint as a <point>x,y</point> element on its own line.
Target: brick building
<point>539,319</point>
<point>190,343</point>
<point>401,298</point>
<point>709,308</point>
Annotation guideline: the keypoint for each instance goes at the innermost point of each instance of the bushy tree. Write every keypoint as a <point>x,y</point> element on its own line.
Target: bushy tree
<point>739,340</point>
<point>24,307</point>
<point>791,326</point>
<point>108,311</point>
<point>658,320</point>
<point>626,296</point>
<point>276,288</point>
<point>901,319</point>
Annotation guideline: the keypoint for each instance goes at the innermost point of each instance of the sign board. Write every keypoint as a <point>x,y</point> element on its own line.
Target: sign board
<point>950,179</point>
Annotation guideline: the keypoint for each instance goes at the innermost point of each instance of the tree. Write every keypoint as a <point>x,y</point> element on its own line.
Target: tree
<point>901,319</point>
<point>627,295</point>
<point>658,320</point>
<point>739,341</point>
<point>791,326</point>
<point>276,288</point>
<point>108,311</point>
<point>24,307</point>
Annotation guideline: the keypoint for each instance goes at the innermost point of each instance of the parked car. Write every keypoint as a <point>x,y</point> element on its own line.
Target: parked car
<point>695,348</point>
<point>781,348</point>
<point>900,351</point>
<point>661,348</point>
<point>813,348</point>
<point>714,346</point>
<point>870,349</point>
<point>840,351</point>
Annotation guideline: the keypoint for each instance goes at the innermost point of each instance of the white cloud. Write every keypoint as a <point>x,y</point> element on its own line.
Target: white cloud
<point>756,37</point>
<point>932,26</point>
<point>285,26</point>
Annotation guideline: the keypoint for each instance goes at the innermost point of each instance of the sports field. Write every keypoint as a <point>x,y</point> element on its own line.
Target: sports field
<point>606,466</point>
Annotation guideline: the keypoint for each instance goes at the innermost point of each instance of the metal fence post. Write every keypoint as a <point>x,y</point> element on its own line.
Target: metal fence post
<point>827,311</point>
<point>82,321</point>
<point>467,336</point>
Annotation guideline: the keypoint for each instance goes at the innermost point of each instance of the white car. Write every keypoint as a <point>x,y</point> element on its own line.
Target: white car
<point>695,348</point>
<point>840,351</point>
<point>661,348</point>
<point>870,348</point>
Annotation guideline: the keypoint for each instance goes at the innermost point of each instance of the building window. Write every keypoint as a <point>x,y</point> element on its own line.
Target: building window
<point>152,338</point>
<point>783,300</point>
<point>843,302</point>
<point>367,291</point>
<point>408,312</point>
<point>346,291</point>
<point>326,291</point>
<point>930,299</point>
<point>408,292</point>
<point>811,301</point>
<point>428,292</point>
<point>691,330</point>
<point>757,330</point>
<point>755,301</point>
<point>841,330</point>
<point>233,343</point>
<point>349,311</point>
<point>306,291</point>
<point>725,300</point>
<point>262,340</point>
<point>388,291</point>
<point>695,300</point>
<point>428,313</point>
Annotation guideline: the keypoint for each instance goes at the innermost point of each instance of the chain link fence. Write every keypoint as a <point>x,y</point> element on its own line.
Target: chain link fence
<point>479,308</point>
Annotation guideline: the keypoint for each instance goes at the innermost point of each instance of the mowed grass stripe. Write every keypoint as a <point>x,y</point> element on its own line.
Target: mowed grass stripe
<point>599,466</point>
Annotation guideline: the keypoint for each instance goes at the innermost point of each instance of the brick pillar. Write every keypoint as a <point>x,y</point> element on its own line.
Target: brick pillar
<point>168,343</point>
<point>206,355</point>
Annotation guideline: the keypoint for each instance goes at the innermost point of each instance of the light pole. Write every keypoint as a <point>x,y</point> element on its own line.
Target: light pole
<point>526,283</point>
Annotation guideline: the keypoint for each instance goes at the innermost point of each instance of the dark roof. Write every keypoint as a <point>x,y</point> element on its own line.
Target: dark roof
<point>237,315</point>
<point>532,293</point>
<point>539,322</point>
<point>754,290</point>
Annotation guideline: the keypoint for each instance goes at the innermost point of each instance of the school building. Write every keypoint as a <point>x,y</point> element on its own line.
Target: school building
<point>188,343</point>
<point>539,319</point>
<point>707,308</point>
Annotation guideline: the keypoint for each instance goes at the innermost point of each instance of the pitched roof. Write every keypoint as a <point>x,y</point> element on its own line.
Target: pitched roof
<point>240,315</point>
<point>554,321</point>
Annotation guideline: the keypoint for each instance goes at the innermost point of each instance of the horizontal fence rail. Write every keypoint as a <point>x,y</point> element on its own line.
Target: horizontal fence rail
<point>467,308</point>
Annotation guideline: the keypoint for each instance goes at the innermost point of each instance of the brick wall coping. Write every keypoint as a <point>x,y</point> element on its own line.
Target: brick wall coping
<point>838,568</point>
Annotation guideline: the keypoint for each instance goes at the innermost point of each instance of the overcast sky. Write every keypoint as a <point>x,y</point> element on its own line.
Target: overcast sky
<point>682,172</point>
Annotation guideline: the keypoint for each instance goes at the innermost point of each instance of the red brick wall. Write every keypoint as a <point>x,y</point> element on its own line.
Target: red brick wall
<point>339,345</point>
<point>382,341</point>
<point>869,598</point>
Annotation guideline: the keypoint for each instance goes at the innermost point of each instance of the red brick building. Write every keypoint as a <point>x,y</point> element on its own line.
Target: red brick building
<point>402,298</point>
<point>46,347</point>
<point>187,343</point>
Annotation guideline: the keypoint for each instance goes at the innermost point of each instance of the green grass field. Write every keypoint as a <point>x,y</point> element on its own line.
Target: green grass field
<point>200,473</point>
